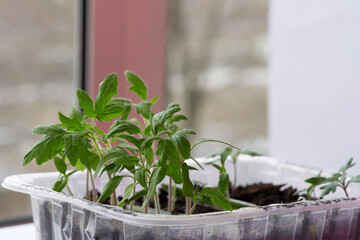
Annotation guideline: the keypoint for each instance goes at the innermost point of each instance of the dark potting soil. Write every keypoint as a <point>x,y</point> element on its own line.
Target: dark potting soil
<point>260,194</point>
<point>180,204</point>
<point>265,193</point>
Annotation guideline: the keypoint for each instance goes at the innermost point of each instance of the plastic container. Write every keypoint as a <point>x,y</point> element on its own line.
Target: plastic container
<point>58,216</point>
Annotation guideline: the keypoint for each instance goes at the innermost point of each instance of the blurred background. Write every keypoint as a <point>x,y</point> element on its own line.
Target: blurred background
<point>297,102</point>
<point>213,63</point>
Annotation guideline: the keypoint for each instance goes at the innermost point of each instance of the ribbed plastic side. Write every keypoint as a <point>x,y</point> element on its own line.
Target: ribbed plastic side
<point>61,220</point>
<point>57,216</point>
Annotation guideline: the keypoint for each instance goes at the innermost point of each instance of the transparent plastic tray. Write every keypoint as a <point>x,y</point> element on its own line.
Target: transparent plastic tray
<point>58,216</point>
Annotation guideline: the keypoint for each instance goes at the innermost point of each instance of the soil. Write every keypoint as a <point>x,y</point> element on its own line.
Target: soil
<point>179,204</point>
<point>265,193</point>
<point>261,194</point>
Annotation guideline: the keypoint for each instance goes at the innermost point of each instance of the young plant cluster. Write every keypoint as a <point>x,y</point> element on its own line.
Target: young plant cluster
<point>145,149</point>
<point>339,179</point>
<point>224,154</point>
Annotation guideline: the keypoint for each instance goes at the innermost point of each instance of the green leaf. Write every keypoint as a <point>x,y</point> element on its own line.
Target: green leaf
<point>71,124</point>
<point>186,131</point>
<point>197,163</point>
<point>93,157</point>
<point>192,168</point>
<point>100,132</point>
<point>60,165</point>
<point>160,118</point>
<point>188,187</point>
<point>127,193</point>
<point>107,90</point>
<point>164,154</point>
<point>80,166</point>
<point>217,198</point>
<point>126,160</point>
<point>116,155</point>
<point>182,144</point>
<point>147,131</point>
<point>121,126</point>
<point>110,112</point>
<point>152,185</point>
<point>59,185</point>
<point>147,143</point>
<point>125,103</point>
<point>48,130</point>
<point>121,102</point>
<point>177,118</point>
<point>86,103</point>
<point>131,139</point>
<point>316,180</point>
<point>175,172</point>
<point>44,149</point>
<point>173,105</point>
<point>138,195</point>
<point>309,191</point>
<point>355,179</point>
<point>162,174</point>
<point>144,109</point>
<point>76,114</point>
<point>110,188</point>
<point>327,188</point>
<point>76,145</point>
<point>299,191</point>
<point>154,100</point>
<point>138,85</point>
<point>129,147</point>
<point>250,153</point>
<point>217,167</point>
<point>223,183</point>
<point>149,156</point>
<point>348,165</point>
<point>223,154</point>
<point>171,149</point>
<point>140,176</point>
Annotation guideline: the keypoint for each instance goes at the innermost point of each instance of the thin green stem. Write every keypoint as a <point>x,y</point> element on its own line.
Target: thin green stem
<point>138,122</point>
<point>113,195</point>
<point>157,205</point>
<point>188,205</point>
<point>170,195</point>
<point>235,175</point>
<point>97,146</point>
<point>193,207</point>
<point>346,193</point>
<point>173,198</point>
<point>87,186</point>
<point>132,202</point>
<point>227,194</point>
<point>163,132</point>
<point>212,140</point>
<point>69,191</point>
<point>344,187</point>
<point>93,186</point>
<point>108,144</point>
<point>146,206</point>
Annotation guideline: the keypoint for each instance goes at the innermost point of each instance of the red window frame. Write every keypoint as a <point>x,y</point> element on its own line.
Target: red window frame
<point>127,35</point>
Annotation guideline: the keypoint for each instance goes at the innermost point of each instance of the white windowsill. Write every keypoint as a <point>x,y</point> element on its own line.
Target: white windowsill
<point>19,232</point>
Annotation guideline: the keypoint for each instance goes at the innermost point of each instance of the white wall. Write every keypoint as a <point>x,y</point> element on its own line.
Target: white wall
<point>314,88</point>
